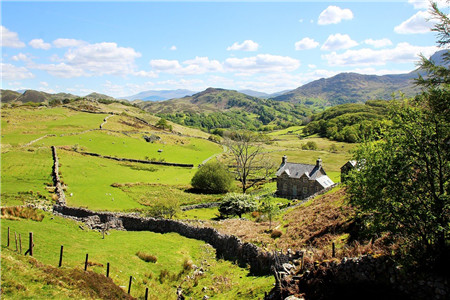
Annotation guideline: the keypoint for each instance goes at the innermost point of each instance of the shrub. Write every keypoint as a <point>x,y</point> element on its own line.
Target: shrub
<point>146,257</point>
<point>237,204</point>
<point>188,265</point>
<point>213,178</point>
<point>22,212</point>
<point>310,145</point>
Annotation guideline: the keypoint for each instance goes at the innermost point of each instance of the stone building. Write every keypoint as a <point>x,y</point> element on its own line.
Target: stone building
<point>350,165</point>
<point>299,181</point>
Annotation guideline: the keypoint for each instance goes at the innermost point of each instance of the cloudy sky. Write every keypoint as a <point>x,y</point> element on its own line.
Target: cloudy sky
<point>122,48</point>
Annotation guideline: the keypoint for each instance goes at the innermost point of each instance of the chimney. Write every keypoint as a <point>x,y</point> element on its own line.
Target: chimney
<point>284,160</point>
<point>318,163</point>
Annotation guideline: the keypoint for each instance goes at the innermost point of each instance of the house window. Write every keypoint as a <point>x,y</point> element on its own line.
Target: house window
<point>305,190</point>
<point>284,187</point>
<point>317,189</point>
<point>294,191</point>
<point>305,179</point>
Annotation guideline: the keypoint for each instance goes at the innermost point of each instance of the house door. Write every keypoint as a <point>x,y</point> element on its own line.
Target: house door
<point>294,191</point>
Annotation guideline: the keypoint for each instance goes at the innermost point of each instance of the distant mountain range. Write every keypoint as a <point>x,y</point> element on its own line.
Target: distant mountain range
<point>160,95</point>
<point>339,89</point>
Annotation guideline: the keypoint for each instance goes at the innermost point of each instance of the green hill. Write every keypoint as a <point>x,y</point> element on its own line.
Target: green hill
<point>348,122</point>
<point>220,108</point>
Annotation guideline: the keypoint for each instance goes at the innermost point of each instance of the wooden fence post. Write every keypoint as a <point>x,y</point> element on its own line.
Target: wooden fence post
<point>129,285</point>
<point>146,293</point>
<point>333,250</point>
<point>60,256</point>
<point>107,270</point>
<point>86,262</point>
<point>303,266</point>
<point>31,244</point>
<point>7,245</point>
<point>15,238</point>
<point>20,243</point>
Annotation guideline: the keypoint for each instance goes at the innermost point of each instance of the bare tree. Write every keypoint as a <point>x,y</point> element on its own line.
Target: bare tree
<point>246,149</point>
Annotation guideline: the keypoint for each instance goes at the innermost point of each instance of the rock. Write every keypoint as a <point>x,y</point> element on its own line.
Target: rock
<point>292,297</point>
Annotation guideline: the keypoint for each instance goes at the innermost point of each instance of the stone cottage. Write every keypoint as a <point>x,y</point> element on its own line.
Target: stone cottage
<point>299,181</point>
<point>350,165</point>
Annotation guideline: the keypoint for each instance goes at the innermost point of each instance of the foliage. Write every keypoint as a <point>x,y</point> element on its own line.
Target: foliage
<point>167,209</point>
<point>269,208</point>
<point>402,182</point>
<point>348,122</point>
<point>213,178</point>
<point>237,204</point>
<point>22,212</point>
<point>310,145</point>
<point>162,123</point>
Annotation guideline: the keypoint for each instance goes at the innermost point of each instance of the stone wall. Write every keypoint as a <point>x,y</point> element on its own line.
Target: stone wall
<point>227,246</point>
<point>138,160</point>
<point>201,205</point>
<point>57,180</point>
<point>364,277</point>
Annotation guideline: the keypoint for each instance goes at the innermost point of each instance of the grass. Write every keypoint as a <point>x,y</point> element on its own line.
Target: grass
<point>200,214</point>
<point>174,149</point>
<point>25,171</point>
<point>119,248</point>
<point>89,180</point>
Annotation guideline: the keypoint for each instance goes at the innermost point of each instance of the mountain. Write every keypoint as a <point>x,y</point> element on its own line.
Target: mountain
<point>161,95</point>
<point>9,96</point>
<point>261,94</point>
<point>97,96</point>
<point>352,88</point>
<point>220,108</point>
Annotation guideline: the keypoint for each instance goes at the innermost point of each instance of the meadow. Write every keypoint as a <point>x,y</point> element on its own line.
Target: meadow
<point>176,257</point>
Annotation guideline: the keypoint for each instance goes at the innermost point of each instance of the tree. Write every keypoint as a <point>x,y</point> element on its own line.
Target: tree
<point>401,183</point>
<point>213,177</point>
<point>237,204</point>
<point>168,209</point>
<point>162,123</point>
<point>246,150</point>
<point>268,208</point>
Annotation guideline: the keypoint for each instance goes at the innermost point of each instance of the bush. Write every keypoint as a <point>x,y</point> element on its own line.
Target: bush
<point>309,146</point>
<point>213,178</point>
<point>237,204</point>
<point>146,257</point>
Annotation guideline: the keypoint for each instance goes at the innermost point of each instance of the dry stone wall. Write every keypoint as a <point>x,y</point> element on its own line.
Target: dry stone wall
<point>227,247</point>
<point>57,180</point>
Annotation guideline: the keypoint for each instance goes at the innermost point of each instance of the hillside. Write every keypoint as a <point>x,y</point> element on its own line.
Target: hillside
<point>349,122</point>
<point>8,96</point>
<point>351,88</point>
<point>160,95</point>
<point>220,108</point>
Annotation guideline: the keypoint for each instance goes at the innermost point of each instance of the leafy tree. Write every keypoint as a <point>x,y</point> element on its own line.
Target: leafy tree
<point>162,123</point>
<point>268,208</point>
<point>237,204</point>
<point>213,177</point>
<point>402,181</point>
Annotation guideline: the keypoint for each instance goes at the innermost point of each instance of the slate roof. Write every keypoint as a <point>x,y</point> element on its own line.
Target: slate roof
<point>295,170</point>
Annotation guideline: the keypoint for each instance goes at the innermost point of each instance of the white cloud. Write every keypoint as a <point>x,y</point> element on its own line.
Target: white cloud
<point>262,63</point>
<point>198,65</point>
<point>39,44</point>
<point>306,43</point>
<point>164,64</point>
<point>402,53</point>
<point>11,72</point>
<point>378,43</point>
<point>10,39</point>
<point>333,15</point>
<point>93,59</point>
<point>416,24</point>
<point>338,41</point>
<point>247,45</point>
<point>311,66</point>
<point>150,74</point>
<point>20,57</point>
<point>68,43</point>
<point>173,48</point>
<point>62,70</point>
<point>44,83</point>
<point>424,4</point>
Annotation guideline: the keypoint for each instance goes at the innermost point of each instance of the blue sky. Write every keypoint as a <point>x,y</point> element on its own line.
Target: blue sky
<point>122,48</point>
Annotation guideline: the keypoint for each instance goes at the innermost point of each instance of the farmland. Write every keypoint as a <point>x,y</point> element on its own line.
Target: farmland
<point>103,184</point>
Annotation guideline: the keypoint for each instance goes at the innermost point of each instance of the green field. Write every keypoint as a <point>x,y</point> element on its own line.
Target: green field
<point>222,279</point>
